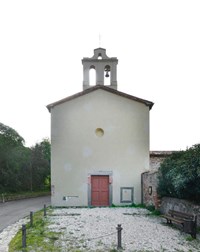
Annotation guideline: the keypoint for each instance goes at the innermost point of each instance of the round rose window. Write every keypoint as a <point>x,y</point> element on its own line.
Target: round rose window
<point>99,132</point>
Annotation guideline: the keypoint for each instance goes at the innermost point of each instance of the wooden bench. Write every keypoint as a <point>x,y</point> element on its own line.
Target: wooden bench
<point>187,221</point>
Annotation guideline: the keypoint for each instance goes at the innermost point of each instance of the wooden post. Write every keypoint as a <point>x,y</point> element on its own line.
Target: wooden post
<point>3,199</point>
<point>23,236</point>
<point>119,236</point>
<point>45,210</point>
<point>31,219</point>
<point>194,233</point>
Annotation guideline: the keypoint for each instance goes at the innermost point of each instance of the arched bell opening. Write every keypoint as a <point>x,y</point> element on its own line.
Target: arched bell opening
<point>99,56</point>
<point>92,76</point>
<point>107,73</point>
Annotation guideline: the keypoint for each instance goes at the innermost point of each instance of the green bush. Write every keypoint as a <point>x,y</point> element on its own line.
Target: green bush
<point>151,208</point>
<point>179,175</point>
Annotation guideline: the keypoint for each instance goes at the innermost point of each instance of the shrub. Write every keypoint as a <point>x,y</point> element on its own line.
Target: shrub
<point>179,175</point>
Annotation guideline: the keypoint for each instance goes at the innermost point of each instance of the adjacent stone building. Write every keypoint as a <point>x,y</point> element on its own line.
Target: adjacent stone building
<point>150,178</point>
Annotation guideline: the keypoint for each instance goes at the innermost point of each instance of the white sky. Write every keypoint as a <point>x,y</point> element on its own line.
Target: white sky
<point>157,44</point>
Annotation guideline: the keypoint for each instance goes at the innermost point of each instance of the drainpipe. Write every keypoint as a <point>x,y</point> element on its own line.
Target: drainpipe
<point>142,201</point>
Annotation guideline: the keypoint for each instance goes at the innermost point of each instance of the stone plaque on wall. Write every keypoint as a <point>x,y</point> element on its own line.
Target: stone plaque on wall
<point>126,194</point>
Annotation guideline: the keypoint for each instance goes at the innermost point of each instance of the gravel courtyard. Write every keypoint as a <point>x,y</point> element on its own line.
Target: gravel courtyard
<point>84,229</point>
<point>95,230</point>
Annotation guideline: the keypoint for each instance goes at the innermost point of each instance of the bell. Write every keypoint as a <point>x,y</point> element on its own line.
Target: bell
<point>107,74</point>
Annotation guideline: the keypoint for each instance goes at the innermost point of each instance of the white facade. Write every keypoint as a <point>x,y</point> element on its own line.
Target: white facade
<point>98,132</point>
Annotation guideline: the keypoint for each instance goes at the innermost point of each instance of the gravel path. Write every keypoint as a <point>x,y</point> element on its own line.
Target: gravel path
<point>9,232</point>
<point>95,230</point>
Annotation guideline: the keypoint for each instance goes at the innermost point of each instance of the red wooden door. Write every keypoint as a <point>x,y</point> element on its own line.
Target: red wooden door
<point>100,190</point>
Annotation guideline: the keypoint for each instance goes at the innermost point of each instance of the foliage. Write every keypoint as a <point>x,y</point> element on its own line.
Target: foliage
<point>40,165</point>
<point>151,208</point>
<point>179,175</point>
<point>22,168</point>
<point>11,157</point>
<point>9,136</point>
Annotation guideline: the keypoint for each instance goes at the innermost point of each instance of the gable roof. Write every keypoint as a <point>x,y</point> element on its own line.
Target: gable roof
<point>105,88</point>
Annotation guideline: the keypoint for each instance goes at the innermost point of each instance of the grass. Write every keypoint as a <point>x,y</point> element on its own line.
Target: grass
<point>190,238</point>
<point>39,238</point>
<point>131,205</point>
<point>151,208</point>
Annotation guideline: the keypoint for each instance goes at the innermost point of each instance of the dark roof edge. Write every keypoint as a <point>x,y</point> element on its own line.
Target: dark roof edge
<point>161,153</point>
<point>111,90</point>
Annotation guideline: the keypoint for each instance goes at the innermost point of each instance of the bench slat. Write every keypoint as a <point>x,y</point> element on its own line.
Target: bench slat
<point>173,219</point>
<point>183,219</point>
<point>181,215</point>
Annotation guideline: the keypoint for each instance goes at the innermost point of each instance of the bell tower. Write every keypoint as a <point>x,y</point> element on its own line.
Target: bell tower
<point>104,67</point>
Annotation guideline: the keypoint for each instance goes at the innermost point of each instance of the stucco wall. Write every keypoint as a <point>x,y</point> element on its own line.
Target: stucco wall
<point>77,151</point>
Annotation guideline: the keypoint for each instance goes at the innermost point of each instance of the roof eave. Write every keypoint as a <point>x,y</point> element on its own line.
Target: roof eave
<point>89,90</point>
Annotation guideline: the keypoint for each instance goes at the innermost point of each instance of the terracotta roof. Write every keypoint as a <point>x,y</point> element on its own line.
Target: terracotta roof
<point>94,88</point>
<point>161,153</point>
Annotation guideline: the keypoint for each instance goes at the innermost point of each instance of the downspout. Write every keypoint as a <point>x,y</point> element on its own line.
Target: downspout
<point>142,201</point>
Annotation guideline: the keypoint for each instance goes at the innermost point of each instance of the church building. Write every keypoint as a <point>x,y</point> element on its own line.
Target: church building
<point>99,141</point>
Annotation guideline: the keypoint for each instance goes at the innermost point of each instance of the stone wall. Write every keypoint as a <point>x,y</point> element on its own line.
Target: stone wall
<point>149,188</point>
<point>180,205</point>
<point>150,180</point>
<point>157,157</point>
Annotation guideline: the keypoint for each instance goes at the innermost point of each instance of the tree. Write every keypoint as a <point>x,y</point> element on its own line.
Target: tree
<point>22,168</point>
<point>9,136</point>
<point>18,169</point>
<point>40,164</point>
<point>9,141</point>
<point>179,175</point>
